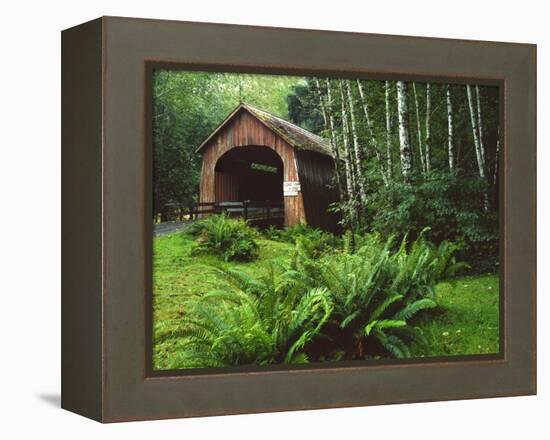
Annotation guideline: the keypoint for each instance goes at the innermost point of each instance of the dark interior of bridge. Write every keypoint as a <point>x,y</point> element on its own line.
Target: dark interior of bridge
<point>252,173</point>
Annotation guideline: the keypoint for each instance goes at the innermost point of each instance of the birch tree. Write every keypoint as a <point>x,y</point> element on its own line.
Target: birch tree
<point>475,118</point>
<point>360,181</point>
<point>404,143</point>
<point>450,129</point>
<point>428,140</point>
<point>388,131</point>
<point>497,151</point>
<point>418,129</point>
<point>372,136</point>
<point>480,126</point>
<point>350,180</point>
<point>475,131</point>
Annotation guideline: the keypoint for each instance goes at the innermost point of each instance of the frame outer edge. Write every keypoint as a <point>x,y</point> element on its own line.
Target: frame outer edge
<point>81,245</point>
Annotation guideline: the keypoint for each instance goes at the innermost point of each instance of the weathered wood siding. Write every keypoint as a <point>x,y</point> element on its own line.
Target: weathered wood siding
<point>316,174</point>
<point>227,187</point>
<point>246,130</point>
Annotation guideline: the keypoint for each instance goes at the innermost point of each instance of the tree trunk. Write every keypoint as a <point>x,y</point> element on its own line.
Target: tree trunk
<point>374,143</point>
<point>497,150</point>
<point>321,102</point>
<point>419,130</point>
<point>350,184</point>
<point>428,140</point>
<point>357,150</point>
<point>478,146</point>
<point>475,131</point>
<point>480,125</point>
<point>328,119</point>
<point>450,129</point>
<point>404,143</point>
<point>388,131</point>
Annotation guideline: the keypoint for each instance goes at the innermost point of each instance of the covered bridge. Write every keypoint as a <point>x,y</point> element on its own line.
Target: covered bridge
<point>256,157</point>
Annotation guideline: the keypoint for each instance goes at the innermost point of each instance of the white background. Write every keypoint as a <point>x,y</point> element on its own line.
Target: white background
<point>30,218</point>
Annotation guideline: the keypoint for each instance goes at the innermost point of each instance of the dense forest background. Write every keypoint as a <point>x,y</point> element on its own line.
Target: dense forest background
<point>409,155</point>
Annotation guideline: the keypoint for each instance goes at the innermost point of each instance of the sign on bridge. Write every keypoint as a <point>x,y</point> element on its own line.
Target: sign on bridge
<point>291,188</point>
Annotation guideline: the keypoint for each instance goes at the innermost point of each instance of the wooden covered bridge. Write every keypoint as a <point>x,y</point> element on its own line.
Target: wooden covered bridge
<point>257,163</point>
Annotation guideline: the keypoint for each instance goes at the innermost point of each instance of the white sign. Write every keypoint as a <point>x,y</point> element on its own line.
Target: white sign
<point>291,188</point>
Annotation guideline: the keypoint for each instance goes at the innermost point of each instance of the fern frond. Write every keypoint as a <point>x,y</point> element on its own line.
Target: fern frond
<point>384,306</point>
<point>414,307</point>
<point>383,325</point>
<point>393,344</point>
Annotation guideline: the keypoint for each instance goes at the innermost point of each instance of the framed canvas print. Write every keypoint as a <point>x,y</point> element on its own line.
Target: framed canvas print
<point>262,219</point>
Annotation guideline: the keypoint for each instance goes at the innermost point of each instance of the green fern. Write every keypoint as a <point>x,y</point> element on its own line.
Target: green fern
<point>352,304</point>
<point>411,309</point>
<point>254,321</point>
<point>232,239</point>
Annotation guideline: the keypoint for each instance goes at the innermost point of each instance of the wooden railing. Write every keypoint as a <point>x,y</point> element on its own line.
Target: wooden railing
<point>264,210</point>
<point>249,210</point>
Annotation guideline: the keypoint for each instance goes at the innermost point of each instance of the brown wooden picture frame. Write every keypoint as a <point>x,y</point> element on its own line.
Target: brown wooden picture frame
<point>106,231</point>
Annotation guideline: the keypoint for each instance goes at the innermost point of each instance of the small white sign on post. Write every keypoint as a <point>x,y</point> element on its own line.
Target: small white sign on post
<point>291,188</point>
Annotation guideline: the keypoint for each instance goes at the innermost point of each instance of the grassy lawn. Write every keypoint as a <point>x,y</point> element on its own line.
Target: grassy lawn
<point>466,321</point>
<point>178,273</point>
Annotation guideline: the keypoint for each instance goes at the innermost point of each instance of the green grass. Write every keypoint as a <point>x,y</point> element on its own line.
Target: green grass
<point>179,274</point>
<point>466,321</point>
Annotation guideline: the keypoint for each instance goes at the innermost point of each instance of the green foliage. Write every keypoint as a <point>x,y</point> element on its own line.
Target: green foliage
<point>325,303</point>
<point>232,239</point>
<point>254,304</point>
<point>316,307</point>
<point>253,321</point>
<point>450,205</point>
<point>376,288</point>
<point>317,241</point>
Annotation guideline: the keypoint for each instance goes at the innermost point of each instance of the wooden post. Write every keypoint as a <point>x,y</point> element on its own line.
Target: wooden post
<point>245,209</point>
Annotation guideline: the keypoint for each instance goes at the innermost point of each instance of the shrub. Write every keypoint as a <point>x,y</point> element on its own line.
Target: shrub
<point>376,288</point>
<point>232,239</point>
<point>317,240</point>
<point>451,205</point>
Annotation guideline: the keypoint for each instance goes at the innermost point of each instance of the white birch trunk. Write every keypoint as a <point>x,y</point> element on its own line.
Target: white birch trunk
<point>450,129</point>
<point>477,144</point>
<point>428,140</point>
<point>419,130</point>
<point>403,118</point>
<point>388,131</point>
<point>475,131</point>
<point>357,149</point>
<point>480,125</point>
<point>497,151</point>
<point>347,155</point>
<point>374,143</point>
<point>331,116</point>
